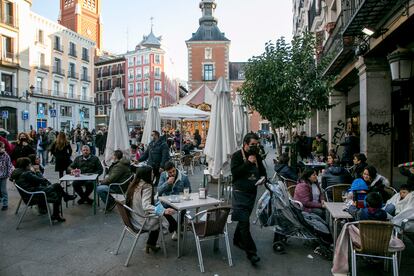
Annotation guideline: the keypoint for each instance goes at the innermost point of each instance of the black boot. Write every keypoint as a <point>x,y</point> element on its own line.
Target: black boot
<point>67,197</point>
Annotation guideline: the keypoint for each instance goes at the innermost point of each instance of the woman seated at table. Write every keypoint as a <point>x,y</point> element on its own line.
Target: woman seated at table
<point>308,192</point>
<point>27,179</point>
<point>334,173</point>
<point>376,182</point>
<point>282,167</point>
<point>140,197</point>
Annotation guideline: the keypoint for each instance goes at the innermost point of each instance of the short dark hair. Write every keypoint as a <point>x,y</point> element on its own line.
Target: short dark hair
<point>22,162</point>
<point>374,200</point>
<point>133,146</point>
<point>169,165</point>
<point>156,133</point>
<point>284,158</point>
<point>143,173</point>
<point>406,187</point>
<point>118,154</point>
<point>250,136</point>
<point>307,173</point>
<point>32,158</point>
<point>360,156</point>
<point>372,171</point>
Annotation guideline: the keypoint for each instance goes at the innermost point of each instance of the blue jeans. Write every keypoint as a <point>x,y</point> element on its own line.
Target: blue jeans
<point>43,156</point>
<point>102,191</point>
<point>3,191</point>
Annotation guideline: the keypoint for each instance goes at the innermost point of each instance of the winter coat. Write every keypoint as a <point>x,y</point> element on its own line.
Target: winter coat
<point>63,157</point>
<point>320,147</point>
<point>51,137</point>
<point>359,170</point>
<point>156,154</point>
<point>90,165</point>
<point>142,205</point>
<point>286,171</point>
<point>21,151</point>
<point>9,147</point>
<point>367,213</point>
<point>6,167</point>
<point>379,185</point>
<point>335,175</point>
<point>401,204</point>
<point>42,140</point>
<point>181,182</point>
<point>245,176</point>
<point>351,146</point>
<point>118,172</point>
<point>303,193</point>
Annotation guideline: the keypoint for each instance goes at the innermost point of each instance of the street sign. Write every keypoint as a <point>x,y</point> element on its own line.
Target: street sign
<point>52,113</point>
<point>41,113</point>
<point>5,114</point>
<point>25,115</point>
<point>82,115</point>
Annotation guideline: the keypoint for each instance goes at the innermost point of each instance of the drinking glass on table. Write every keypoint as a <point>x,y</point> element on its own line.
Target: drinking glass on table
<point>186,193</point>
<point>344,196</point>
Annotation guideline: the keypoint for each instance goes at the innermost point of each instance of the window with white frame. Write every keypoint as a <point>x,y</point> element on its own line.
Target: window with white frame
<point>157,86</point>
<point>157,101</point>
<point>65,111</point>
<point>138,60</point>
<point>208,53</point>
<point>157,72</point>
<point>39,85</point>
<point>131,103</point>
<point>146,102</point>
<point>84,93</point>
<point>208,72</point>
<point>56,88</point>
<point>130,117</point>
<point>146,72</point>
<point>138,87</point>
<point>131,74</point>
<point>138,73</point>
<point>146,87</point>
<point>138,103</point>
<point>157,59</point>
<point>130,61</point>
<point>146,58</point>
<point>71,90</point>
<point>130,89</point>
<point>101,110</point>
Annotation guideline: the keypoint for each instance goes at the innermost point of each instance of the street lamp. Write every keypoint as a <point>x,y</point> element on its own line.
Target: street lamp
<point>401,64</point>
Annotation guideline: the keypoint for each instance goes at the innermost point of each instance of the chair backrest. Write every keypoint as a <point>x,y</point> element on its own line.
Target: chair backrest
<point>124,185</point>
<point>216,219</point>
<point>291,190</point>
<point>125,213</point>
<point>375,236</point>
<point>25,195</point>
<point>334,192</point>
<point>186,160</point>
<point>290,182</point>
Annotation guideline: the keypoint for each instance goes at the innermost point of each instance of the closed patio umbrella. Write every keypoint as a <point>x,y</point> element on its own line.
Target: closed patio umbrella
<point>117,130</point>
<point>152,122</point>
<point>220,143</point>
<point>241,120</point>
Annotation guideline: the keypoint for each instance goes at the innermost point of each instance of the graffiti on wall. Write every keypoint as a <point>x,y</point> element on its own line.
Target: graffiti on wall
<point>378,129</point>
<point>339,131</point>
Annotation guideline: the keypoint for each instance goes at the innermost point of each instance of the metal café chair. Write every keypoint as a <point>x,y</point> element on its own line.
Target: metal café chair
<point>125,213</point>
<point>333,193</point>
<point>113,187</point>
<point>213,228</point>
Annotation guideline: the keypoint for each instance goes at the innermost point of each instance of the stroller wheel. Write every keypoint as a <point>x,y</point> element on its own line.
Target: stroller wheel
<point>279,247</point>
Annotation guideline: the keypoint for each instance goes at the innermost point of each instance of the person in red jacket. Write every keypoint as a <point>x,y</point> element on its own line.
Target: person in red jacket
<point>9,147</point>
<point>309,193</point>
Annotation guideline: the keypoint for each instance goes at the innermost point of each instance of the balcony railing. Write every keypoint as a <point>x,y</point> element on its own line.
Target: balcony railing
<point>85,78</point>
<point>8,20</point>
<point>85,58</point>
<point>58,70</point>
<point>312,13</point>
<point>72,53</point>
<point>9,57</point>
<point>58,47</point>
<point>53,94</point>
<point>42,67</point>
<point>73,75</point>
<point>9,93</point>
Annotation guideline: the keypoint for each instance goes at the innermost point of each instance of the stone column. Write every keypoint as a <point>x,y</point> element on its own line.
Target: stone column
<point>312,125</point>
<point>337,119</point>
<point>375,112</point>
<point>322,123</point>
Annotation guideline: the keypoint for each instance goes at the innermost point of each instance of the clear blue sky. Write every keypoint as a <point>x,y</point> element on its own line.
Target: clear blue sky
<point>249,24</point>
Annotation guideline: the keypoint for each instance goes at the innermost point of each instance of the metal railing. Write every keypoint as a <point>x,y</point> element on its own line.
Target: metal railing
<point>9,93</point>
<point>72,53</point>
<point>9,57</point>
<point>85,78</point>
<point>9,20</point>
<point>349,9</point>
<point>73,75</point>
<point>85,58</point>
<point>58,47</point>
<point>58,70</point>
<point>42,67</point>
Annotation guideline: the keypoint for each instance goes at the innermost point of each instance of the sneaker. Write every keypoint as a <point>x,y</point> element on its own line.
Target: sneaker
<point>4,208</point>
<point>174,236</point>
<point>254,259</point>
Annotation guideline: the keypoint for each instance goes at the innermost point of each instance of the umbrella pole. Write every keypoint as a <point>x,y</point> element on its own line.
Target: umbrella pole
<point>219,187</point>
<point>181,136</point>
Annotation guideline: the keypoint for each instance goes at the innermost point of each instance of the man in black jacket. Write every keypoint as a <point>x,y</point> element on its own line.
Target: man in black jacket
<point>156,155</point>
<point>87,163</point>
<point>246,168</point>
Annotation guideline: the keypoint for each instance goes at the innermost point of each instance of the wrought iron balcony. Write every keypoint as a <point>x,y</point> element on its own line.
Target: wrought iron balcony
<point>58,70</point>
<point>85,78</point>
<point>8,20</point>
<point>58,47</point>
<point>73,75</point>
<point>9,93</point>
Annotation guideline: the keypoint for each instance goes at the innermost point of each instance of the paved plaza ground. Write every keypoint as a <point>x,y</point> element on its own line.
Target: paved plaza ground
<point>83,245</point>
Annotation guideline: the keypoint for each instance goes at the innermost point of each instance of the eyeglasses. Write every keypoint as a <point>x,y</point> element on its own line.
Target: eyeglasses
<point>254,144</point>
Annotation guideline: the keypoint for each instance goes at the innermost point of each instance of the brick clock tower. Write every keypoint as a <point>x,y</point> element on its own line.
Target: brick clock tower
<point>83,17</point>
<point>208,50</point>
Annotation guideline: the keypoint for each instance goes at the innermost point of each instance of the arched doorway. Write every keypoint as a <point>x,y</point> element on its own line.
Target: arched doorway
<point>9,124</point>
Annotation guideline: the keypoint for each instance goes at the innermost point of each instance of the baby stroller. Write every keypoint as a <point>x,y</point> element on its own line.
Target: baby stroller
<point>275,209</point>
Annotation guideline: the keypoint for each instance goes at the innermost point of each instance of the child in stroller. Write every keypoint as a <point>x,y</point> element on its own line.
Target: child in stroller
<point>277,209</point>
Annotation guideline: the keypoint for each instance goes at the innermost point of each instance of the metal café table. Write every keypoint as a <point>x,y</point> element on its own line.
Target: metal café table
<point>314,165</point>
<point>82,177</point>
<point>193,203</point>
<point>336,213</point>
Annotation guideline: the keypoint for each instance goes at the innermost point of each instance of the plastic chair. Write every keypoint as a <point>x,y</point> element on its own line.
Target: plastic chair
<point>30,199</point>
<point>334,193</point>
<point>187,162</point>
<point>375,238</point>
<point>125,213</point>
<point>213,228</point>
<point>119,185</point>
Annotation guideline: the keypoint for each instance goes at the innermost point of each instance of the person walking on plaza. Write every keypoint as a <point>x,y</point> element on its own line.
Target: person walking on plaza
<point>9,147</point>
<point>22,148</point>
<point>51,137</point>
<point>6,169</point>
<point>32,182</point>
<point>140,198</point>
<point>246,168</point>
<point>62,151</point>
<point>42,144</point>
<point>156,155</point>
<point>87,163</point>
<point>119,171</point>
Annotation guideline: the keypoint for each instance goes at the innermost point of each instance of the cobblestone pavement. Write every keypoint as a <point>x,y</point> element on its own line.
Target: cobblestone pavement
<point>83,245</point>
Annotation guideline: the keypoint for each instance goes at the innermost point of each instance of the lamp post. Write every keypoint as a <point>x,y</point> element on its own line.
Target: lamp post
<point>401,64</point>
